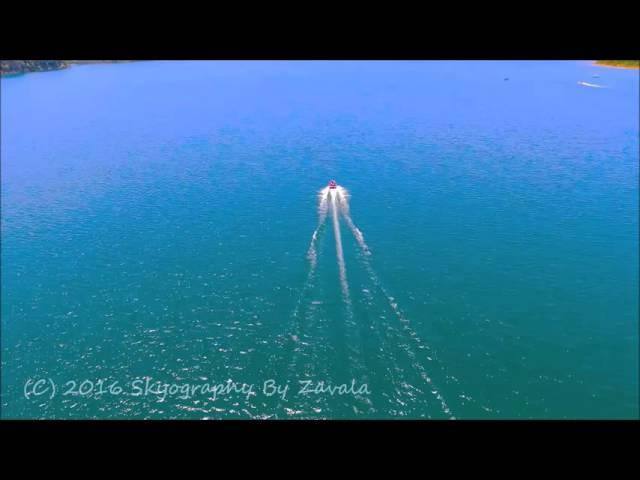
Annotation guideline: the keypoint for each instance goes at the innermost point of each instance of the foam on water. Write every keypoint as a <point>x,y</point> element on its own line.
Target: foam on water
<point>339,251</point>
<point>358,235</point>
<point>322,215</point>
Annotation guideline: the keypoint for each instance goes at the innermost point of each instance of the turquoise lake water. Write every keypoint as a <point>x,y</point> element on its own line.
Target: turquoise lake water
<point>156,220</point>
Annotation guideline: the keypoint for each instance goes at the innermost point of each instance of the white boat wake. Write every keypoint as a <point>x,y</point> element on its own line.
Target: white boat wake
<point>339,250</point>
<point>344,208</point>
<point>322,215</point>
<point>592,85</point>
<point>327,199</point>
<point>336,198</point>
<point>354,336</point>
<point>359,236</point>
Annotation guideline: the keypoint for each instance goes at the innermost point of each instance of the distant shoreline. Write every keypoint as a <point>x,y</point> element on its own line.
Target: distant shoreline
<point>626,64</point>
<point>12,68</point>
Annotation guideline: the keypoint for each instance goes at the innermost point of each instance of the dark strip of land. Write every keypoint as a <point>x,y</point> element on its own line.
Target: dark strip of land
<point>619,63</point>
<point>17,67</point>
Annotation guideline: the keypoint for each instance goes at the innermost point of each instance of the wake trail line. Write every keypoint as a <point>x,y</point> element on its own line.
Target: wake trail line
<point>340,253</point>
<point>357,233</point>
<point>312,254</point>
<point>293,328</point>
<point>322,215</point>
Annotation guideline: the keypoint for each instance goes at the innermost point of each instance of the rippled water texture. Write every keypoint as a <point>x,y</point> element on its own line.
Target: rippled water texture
<point>166,220</point>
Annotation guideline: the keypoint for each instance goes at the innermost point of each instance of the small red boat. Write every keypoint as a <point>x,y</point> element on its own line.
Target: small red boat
<point>332,184</point>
